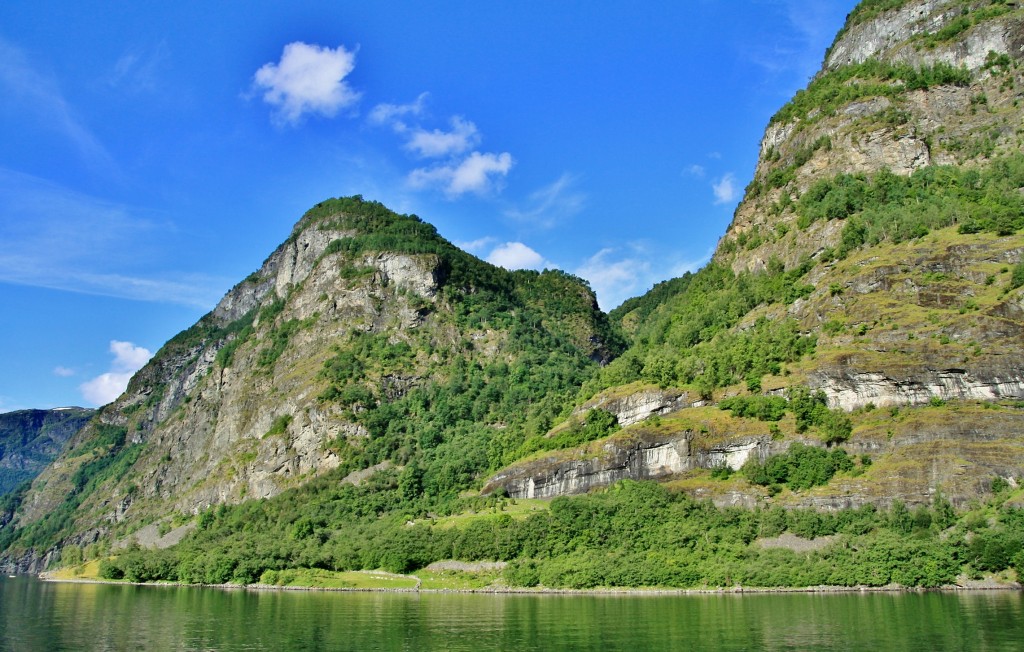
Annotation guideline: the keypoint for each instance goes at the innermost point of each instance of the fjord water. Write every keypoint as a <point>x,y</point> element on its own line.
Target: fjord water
<point>37,615</point>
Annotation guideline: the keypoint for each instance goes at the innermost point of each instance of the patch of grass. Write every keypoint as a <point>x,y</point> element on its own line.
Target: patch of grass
<point>453,580</point>
<point>319,578</point>
<point>517,508</point>
<point>89,570</point>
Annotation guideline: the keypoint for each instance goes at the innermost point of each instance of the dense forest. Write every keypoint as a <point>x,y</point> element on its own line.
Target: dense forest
<point>632,535</point>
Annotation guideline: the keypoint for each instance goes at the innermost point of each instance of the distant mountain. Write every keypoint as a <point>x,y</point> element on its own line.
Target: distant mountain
<point>31,439</point>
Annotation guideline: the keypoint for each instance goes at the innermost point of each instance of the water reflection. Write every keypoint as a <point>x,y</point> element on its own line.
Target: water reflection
<point>45,616</point>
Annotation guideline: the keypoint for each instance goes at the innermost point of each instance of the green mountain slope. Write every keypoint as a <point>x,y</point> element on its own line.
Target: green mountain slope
<point>365,343</point>
<point>816,404</point>
<point>875,264</point>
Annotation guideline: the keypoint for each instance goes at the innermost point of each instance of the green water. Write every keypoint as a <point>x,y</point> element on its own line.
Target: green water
<point>48,616</point>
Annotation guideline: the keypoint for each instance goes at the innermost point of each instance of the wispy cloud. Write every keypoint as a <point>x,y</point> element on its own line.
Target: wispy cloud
<point>395,115</point>
<point>616,274</point>
<point>128,358</point>
<point>38,97</point>
<point>63,372</point>
<point>814,31</point>
<point>551,204</point>
<point>614,280</point>
<point>56,238</point>
<point>682,266</point>
<point>476,246</point>
<point>308,79</point>
<point>477,173</point>
<point>725,188</point>
<point>458,173</point>
<point>436,143</point>
<point>138,70</point>
<point>516,255</point>
<point>695,170</point>
<point>792,56</point>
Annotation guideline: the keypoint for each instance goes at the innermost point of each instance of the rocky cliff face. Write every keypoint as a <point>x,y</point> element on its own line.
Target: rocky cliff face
<point>31,439</point>
<point>896,124</point>
<point>876,258</point>
<point>918,103</point>
<point>358,308</point>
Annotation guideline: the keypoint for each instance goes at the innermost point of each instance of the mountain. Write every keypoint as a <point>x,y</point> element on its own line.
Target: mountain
<point>31,439</point>
<point>847,369</point>
<point>875,260</point>
<point>364,342</point>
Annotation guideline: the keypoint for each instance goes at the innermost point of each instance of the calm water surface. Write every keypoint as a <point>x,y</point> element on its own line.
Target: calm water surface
<point>36,615</point>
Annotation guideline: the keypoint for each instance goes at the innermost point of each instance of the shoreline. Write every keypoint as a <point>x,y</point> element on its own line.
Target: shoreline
<point>632,592</point>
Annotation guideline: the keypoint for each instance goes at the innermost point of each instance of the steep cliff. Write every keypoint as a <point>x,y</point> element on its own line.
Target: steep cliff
<point>861,323</point>
<point>324,361</point>
<point>876,257</point>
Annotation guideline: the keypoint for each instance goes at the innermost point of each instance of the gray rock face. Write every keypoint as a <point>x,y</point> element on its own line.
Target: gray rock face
<point>206,426</point>
<point>642,456</point>
<point>851,389</point>
<point>890,36</point>
<point>639,405</point>
<point>244,405</point>
<point>874,37</point>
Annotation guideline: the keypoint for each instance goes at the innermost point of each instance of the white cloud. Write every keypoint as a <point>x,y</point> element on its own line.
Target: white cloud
<point>516,255</point>
<point>725,189</point>
<point>395,114</point>
<point>39,98</point>
<point>128,359</point>
<point>695,171</point>
<point>477,173</point>
<point>56,238</point>
<point>552,203</point>
<point>619,274</point>
<point>104,388</point>
<point>308,79</point>
<point>459,173</point>
<point>475,246</point>
<point>614,281</point>
<point>437,143</point>
<point>63,372</point>
<point>474,173</point>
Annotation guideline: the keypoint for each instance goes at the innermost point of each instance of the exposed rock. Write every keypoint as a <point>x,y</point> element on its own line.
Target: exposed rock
<point>638,405</point>
<point>850,389</point>
<point>358,477</point>
<point>890,35</point>
<point>641,456</point>
<point>149,536</point>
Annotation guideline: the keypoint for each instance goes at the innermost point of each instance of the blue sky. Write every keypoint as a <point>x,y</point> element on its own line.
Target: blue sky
<point>153,154</point>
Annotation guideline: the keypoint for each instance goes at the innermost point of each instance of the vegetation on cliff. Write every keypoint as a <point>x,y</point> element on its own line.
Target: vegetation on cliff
<point>633,534</point>
<point>484,367</point>
<point>901,281</point>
